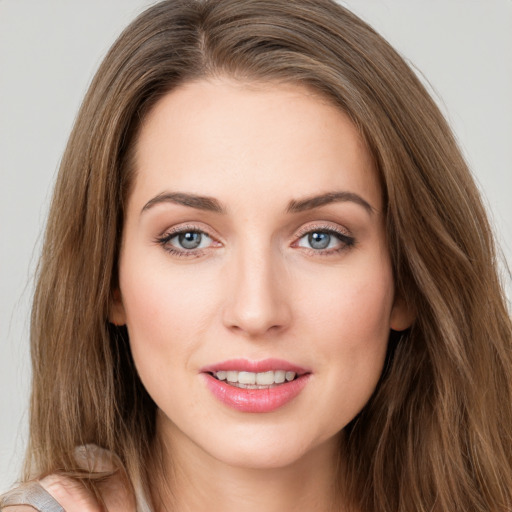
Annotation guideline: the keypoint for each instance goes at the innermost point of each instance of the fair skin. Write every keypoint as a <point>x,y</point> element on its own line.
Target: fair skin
<point>255,271</point>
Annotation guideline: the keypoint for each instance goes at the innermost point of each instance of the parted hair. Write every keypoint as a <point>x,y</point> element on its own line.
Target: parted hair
<point>437,433</point>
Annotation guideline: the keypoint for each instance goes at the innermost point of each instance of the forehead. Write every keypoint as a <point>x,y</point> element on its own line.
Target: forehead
<point>216,137</point>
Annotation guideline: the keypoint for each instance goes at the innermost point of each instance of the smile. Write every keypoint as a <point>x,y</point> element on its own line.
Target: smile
<point>252,380</point>
<point>256,387</point>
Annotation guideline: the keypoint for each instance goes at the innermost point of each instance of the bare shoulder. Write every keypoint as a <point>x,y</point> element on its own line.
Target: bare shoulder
<point>112,490</point>
<point>54,492</point>
<point>18,508</point>
<point>74,496</point>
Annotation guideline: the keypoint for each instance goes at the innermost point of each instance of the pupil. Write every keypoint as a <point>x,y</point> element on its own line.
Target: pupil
<point>319,240</point>
<point>190,240</point>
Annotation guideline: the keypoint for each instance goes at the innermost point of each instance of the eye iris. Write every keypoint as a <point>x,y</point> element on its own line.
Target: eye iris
<point>190,240</point>
<point>319,240</point>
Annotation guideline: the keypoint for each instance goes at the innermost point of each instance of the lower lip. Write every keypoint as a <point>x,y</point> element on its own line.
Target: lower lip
<point>256,400</point>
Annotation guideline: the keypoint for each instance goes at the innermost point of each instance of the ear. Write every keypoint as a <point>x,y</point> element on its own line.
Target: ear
<point>117,315</point>
<point>402,316</point>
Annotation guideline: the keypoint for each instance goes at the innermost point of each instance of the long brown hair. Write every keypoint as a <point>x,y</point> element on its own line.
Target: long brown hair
<point>436,435</point>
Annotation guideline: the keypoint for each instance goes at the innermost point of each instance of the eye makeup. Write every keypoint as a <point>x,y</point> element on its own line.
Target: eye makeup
<point>192,241</point>
<point>323,239</point>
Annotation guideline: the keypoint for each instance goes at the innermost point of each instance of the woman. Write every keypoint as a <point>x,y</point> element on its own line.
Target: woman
<point>267,281</point>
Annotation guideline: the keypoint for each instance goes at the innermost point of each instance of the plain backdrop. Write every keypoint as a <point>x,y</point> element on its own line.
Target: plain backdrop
<point>49,50</point>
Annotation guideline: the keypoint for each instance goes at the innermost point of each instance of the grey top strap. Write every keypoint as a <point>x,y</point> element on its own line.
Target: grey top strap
<point>32,494</point>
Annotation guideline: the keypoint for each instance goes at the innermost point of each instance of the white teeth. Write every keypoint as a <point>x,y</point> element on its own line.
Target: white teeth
<point>232,376</point>
<point>259,379</point>
<point>264,379</point>
<point>221,375</point>
<point>279,376</point>
<point>246,378</point>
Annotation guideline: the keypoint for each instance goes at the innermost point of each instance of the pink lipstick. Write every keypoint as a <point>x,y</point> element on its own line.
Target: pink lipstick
<point>255,386</point>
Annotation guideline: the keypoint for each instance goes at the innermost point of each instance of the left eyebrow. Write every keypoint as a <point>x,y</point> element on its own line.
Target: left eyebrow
<point>309,203</point>
<point>191,200</point>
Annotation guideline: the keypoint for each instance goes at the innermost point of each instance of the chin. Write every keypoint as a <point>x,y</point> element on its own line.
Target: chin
<point>268,449</point>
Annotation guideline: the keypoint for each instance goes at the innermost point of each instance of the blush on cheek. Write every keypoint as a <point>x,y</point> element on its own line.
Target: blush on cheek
<point>360,314</point>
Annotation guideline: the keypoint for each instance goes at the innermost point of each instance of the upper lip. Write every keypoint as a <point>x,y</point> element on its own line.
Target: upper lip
<point>245,365</point>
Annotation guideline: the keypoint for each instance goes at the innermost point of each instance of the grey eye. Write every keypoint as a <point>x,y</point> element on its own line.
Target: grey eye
<point>322,240</point>
<point>190,240</point>
<point>319,240</point>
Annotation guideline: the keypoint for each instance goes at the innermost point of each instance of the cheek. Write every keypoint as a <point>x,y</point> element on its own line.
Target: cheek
<point>167,312</point>
<point>352,307</point>
<point>351,324</point>
<point>356,329</point>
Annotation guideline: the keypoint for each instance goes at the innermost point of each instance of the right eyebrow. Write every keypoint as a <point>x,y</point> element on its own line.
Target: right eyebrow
<point>309,203</point>
<point>209,204</point>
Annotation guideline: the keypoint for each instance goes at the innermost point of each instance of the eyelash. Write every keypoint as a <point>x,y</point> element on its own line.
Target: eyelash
<point>166,238</point>
<point>345,240</point>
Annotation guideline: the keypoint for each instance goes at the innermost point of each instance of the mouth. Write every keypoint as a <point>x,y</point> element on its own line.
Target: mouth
<point>255,386</point>
<point>252,380</point>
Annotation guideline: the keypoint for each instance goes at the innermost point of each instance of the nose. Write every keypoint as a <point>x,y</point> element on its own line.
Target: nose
<point>257,299</point>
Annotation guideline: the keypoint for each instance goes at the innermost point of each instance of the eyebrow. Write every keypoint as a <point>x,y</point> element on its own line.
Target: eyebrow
<point>310,203</point>
<point>208,204</point>
<point>211,204</point>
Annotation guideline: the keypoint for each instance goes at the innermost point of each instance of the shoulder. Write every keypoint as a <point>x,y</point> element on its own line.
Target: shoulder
<point>61,493</point>
<point>18,508</point>
<point>54,493</point>
<point>58,493</point>
<point>72,495</point>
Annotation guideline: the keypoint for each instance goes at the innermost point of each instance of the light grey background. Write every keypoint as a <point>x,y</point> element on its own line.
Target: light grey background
<point>49,50</point>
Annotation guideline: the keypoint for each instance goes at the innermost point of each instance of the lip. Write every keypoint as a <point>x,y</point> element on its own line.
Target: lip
<point>265,365</point>
<point>255,400</point>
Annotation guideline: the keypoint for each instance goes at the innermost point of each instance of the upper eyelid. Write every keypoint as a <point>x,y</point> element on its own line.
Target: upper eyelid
<point>322,226</point>
<point>183,228</point>
<point>299,233</point>
<point>164,240</point>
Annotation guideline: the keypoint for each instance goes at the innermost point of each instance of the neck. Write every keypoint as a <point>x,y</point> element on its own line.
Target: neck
<point>195,481</point>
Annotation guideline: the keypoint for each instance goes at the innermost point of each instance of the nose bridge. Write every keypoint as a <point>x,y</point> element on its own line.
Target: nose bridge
<point>256,303</point>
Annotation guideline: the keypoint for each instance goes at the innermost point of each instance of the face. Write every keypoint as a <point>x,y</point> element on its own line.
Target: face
<point>253,253</point>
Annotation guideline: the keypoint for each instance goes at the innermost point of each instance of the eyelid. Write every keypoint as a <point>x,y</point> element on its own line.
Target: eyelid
<point>168,234</point>
<point>343,234</point>
<point>322,226</point>
<point>345,238</point>
<point>199,226</point>
<point>183,228</point>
